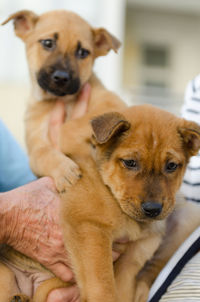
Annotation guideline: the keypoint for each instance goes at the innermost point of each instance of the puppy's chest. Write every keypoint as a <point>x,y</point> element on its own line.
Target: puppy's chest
<point>131,230</point>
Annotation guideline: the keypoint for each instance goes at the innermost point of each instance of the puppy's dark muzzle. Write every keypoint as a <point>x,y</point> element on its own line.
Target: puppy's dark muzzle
<point>59,82</point>
<point>151,209</point>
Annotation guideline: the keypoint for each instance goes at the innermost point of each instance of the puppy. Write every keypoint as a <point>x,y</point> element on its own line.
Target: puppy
<point>61,49</point>
<point>127,190</point>
<point>141,156</point>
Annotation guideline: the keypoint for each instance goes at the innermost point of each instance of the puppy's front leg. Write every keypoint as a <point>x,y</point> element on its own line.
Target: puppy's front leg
<point>45,160</point>
<point>130,263</point>
<point>91,257</point>
<point>46,287</point>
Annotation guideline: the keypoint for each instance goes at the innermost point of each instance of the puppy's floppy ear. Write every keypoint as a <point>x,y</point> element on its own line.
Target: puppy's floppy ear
<point>104,42</point>
<point>190,134</point>
<point>24,22</point>
<point>107,125</point>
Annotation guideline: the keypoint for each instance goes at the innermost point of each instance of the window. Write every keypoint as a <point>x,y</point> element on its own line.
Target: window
<point>155,56</point>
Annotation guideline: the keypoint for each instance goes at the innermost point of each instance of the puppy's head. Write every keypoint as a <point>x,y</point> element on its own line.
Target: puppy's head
<point>142,156</point>
<point>61,48</point>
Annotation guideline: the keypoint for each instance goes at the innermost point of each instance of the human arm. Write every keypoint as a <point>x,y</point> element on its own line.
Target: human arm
<point>15,170</point>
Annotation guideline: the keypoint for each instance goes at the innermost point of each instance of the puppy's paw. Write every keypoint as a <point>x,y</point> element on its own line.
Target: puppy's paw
<point>20,298</point>
<point>142,292</point>
<point>66,174</point>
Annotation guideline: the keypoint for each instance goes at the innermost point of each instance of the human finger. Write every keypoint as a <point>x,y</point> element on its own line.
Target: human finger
<point>115,255</point>
<point>57,118</point>
<point>81,105</point>
<point>62,271</point>
<point>68,294</point>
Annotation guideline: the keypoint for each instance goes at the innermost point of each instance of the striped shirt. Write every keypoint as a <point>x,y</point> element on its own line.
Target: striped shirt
<point>186,286</point>
<point>180,278</point>
<point>191,111</point>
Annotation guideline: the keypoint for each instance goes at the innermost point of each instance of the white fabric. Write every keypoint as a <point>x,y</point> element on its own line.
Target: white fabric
<point>170,266</point>
<point>186,286</point>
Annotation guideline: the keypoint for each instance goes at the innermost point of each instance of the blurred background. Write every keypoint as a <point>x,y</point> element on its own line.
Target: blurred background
<point>160,52</point>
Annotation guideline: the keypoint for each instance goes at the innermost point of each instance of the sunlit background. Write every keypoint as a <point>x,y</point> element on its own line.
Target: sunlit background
<point>160,52</point>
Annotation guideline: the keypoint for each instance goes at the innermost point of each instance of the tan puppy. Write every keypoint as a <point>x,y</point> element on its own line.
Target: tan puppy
<point>141,156</point>
<point>126,192</point>
<point>61,48</point>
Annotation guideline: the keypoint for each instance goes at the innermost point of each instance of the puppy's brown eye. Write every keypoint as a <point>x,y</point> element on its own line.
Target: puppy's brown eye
<point>171,167</point>
<point>130,164</point>
<point>48,44</point>
<point>82,53</point>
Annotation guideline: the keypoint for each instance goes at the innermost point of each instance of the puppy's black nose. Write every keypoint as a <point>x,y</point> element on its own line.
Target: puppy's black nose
<point>61,77</point>
<point>151,209</point>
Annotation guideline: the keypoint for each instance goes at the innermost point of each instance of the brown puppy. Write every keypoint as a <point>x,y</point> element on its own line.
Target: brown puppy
<point>141,157</point>
<point>142,166</point>
<point>61,48</point>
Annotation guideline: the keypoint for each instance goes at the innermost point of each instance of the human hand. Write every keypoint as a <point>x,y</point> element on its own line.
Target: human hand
<point>31,217</point>
<point>58,115</point>
<point>66,172</point>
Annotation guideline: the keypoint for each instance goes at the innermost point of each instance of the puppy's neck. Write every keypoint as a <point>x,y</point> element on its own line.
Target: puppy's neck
<point>41,95</point>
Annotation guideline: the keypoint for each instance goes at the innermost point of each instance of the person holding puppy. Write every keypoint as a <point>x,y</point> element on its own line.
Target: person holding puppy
<point>191,111</point>
<point>29,213</point>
